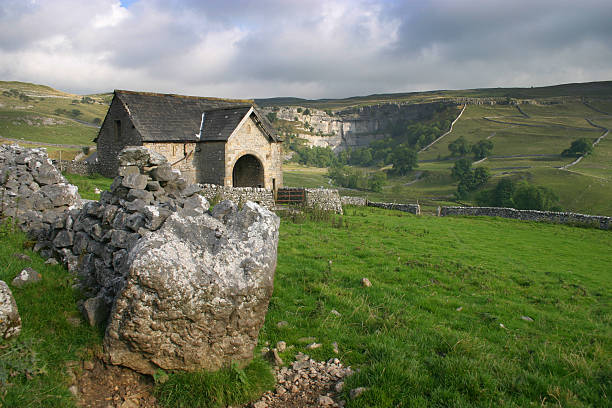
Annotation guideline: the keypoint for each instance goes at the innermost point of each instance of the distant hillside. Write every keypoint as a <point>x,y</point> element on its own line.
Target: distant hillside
<point>587,89</point>
<point>38,114</point>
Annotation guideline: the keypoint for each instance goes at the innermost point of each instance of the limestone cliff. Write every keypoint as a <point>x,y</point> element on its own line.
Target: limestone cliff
<point>348,127</point>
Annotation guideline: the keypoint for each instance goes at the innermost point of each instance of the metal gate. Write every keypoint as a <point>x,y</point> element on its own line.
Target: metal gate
<point>290,195</point>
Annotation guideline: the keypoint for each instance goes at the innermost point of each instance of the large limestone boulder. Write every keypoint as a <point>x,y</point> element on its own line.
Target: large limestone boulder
<point>10,322</point>
<point>197,290</point>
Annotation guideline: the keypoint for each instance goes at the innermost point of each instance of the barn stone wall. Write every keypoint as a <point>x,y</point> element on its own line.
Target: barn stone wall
<point>180,155</point>
<point>109,145</point>
<point>249,139</point>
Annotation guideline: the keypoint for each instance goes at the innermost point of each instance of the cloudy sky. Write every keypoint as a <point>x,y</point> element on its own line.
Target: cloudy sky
<point>305,48</point>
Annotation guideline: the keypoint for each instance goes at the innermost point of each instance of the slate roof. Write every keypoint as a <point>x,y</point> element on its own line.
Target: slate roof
<point>177,118</point>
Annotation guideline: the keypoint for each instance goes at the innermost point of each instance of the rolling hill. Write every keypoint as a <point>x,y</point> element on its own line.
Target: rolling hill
<point>529,128</point>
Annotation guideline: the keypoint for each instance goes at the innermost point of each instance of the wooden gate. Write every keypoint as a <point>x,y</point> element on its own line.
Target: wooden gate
<point>290,195</point>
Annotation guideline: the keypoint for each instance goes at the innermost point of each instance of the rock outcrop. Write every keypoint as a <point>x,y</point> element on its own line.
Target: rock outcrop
<point>10,322</point>
<point>197,290</point>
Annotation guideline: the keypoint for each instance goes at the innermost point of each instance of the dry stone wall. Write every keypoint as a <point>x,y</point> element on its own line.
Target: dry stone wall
<point>323,199</point>
<point>32,191</point>
<point>531,215</point>
<point>357,201</point>
<point>363,202</point>
<point>216,193</point>
<point>180,286</point>
<point>75,167</point>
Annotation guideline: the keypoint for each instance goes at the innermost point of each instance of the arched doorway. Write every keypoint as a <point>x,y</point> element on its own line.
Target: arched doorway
<point>248,172</point>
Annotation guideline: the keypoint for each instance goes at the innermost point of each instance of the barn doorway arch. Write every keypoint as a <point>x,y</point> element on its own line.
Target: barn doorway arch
<point>248,172</point>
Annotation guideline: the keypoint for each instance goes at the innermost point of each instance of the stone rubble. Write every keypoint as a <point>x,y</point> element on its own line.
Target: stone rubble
<point>306,383</point>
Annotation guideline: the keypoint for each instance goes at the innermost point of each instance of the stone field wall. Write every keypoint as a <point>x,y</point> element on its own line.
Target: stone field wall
<point>531,215</point>
<point>409,208</point>
<point>363,202</point>
<point>350,200</point>
<point>75,167</point>
<point>150,258</point>
<point>323,199</point>
<point>216,193</point>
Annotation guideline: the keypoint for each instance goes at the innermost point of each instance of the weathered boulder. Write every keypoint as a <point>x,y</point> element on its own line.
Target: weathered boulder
<point>10,322</point>
<point>197,291</point>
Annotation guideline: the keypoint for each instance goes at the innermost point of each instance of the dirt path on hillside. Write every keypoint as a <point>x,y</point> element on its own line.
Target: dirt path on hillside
<point>65,146</point>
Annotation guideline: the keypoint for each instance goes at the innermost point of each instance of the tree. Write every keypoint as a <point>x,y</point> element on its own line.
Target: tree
<point>461,167</point>
<point>579,147</point>
<point>459,147</point>
<point>503,193</point>
<point>404,159</point>
<point>528,197</point>
<point>482,149</point>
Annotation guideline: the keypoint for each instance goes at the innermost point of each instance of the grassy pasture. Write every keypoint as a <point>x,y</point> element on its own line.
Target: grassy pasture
<point>36,119</point>
<point>442,324</point>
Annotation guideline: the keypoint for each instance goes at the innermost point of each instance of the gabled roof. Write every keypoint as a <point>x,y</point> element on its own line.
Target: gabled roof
<point>177,118</point>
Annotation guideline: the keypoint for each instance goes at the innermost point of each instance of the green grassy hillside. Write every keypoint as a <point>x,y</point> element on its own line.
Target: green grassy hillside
<point>528,140</point>
<point>601,89</point>
<point>40,114</point>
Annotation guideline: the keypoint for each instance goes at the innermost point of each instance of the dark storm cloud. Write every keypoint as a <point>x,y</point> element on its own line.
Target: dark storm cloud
<point>303,48</point>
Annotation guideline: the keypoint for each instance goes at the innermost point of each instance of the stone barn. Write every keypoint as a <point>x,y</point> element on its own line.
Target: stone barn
<point>210,140</point>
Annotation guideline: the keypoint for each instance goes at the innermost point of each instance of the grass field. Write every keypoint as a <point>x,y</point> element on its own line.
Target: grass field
<point>43,114</point>
<point>445,323</point>
<point>442,324</point>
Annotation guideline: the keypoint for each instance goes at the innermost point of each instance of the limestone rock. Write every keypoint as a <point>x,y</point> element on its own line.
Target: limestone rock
<point>27,275</point>
<point>95,310</point>
<point>10,322</point>
<point>140,156</point>
<point>195,299</point>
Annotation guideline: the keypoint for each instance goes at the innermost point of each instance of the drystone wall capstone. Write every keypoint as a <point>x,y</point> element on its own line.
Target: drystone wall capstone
<point>213,279</point>
<point>323,199</point>
<point>531,215</point>
<point>216,193</point>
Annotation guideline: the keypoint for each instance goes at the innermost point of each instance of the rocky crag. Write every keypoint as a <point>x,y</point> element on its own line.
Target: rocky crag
<point>349,127</point>
<point>181,287</point>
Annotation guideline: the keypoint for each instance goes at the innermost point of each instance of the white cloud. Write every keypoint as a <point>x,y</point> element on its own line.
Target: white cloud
<point>310,49</point>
